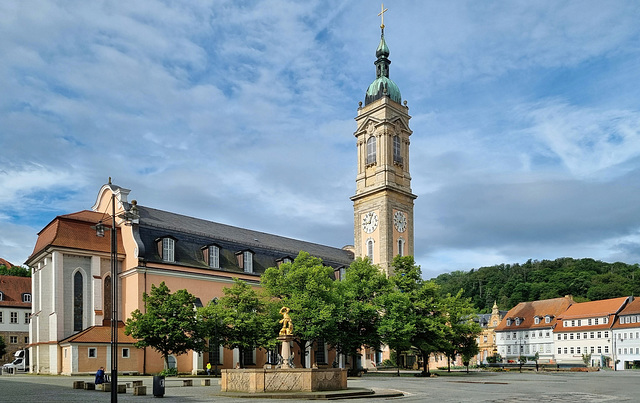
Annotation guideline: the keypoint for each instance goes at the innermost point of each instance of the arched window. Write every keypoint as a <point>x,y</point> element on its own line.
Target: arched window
<point>78,301</point>
<point>106,297</point>
<point>400,247</point>
<point>370,249</point>
<point>397,150</point>
<point>371,150</point>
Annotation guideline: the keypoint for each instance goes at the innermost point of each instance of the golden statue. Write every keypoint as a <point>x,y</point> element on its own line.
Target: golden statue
<point>287,326</point>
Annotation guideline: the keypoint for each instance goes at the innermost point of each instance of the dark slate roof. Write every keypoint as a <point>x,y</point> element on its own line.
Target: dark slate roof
<point>193,234</point>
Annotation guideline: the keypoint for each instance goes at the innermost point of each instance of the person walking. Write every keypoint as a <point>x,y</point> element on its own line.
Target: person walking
<point>208,368</point>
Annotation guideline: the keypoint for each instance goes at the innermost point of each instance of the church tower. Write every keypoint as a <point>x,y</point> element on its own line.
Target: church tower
<point>383,203</point>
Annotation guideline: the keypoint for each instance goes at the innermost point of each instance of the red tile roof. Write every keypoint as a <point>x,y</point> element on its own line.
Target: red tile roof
<point>12,288</point>
<point>6,263</point>
<point>99,334</point>
<point>592,309</point>
<point>74,231</point>
<point>632,308</point>
<point>527,311</point>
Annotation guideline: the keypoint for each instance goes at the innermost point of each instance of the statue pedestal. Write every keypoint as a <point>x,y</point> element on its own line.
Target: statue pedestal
<point>285,350</point>
<point>260,380</point>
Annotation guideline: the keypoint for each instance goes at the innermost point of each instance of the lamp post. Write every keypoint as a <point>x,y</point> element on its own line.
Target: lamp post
<point>128,217</point>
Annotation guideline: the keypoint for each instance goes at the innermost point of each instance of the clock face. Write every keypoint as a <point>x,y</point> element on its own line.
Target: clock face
<point>370,222</point>
<point>400,221</point>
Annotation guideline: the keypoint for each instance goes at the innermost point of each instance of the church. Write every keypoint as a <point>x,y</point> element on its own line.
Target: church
<point>73,275</point>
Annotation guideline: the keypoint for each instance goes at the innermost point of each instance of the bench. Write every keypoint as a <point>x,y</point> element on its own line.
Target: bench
<point>78,384</point>
<point>205,382</point>
<point>187,382</point>
<point>89,386</point>
<point>139,390</point>
<point>133,384</point>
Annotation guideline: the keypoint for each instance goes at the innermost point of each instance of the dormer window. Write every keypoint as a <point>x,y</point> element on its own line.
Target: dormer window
<point>245,260</point>
<point>547,319</point>
<point>282,260</point>
<point>26,297</point>
<point>1,296</point>
<point>517,321</point>
<point>509,322</point>
<point>212,256</point>
<point>536,320</point>
<point>166,249</point>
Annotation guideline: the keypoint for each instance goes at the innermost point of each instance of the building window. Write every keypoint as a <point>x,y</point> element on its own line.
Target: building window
<point>92,352</point>
<point>13,317</point>
<point>592,335</point>
<point>27,315</point>
<point>26,340</point>
<point>397,150</point>
<point>400,247</point>
<point>321,357</point>
<point>168,249</point>
<point>595,321</point>
<point>26,297</point>
<point>1,296</point>
<point>547,319</point>
<point>371,150</point>
<point>106,298</point>
<point>599,349</point>
<point>214,257</point>
<point>78,301</point>
<point>370,250</point>
<point>536,320</point>
<point>578,336</point>
<point>125,353</point>
<point>1,319</point>
<point>517,321</point>
<point>247,261</point>
<point>13,339</point>
<point>572,350</point>
<point>249,357</point>
<point>215,355</point>
<point>578,349</point>
<point>606,349</point>
<point>559,337</point>
<point>509,322</point>
<point>599,335</point>
<point>565,350</point>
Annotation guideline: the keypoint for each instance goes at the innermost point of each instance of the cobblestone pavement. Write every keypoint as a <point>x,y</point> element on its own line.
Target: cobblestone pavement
<point>603,386</point>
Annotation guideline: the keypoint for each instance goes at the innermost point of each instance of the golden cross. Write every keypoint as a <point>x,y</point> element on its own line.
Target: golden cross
<point>381,15</point>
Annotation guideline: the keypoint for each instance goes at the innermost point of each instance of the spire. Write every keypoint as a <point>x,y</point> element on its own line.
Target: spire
<point>382,86</point>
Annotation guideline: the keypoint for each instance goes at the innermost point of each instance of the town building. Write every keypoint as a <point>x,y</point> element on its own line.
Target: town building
<point>487,345</point>
<point>15,313</point>
<point>583,334</point>
<point>626,337</point>
<point>73,279</point>
<point>527,330</point>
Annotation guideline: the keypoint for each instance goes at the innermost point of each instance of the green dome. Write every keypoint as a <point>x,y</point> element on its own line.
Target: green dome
<point>382,86</point>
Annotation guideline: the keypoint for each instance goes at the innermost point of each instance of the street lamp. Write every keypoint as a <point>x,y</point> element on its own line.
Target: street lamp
<point>128,216</point>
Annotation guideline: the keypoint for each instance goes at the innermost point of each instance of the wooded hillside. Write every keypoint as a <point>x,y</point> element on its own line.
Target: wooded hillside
<point>509,284</point>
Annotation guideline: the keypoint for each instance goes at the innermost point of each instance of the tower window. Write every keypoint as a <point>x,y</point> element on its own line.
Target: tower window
<point>397,150</point>
<point>400,247</point>
<point>370,249</point>
<point>371,150</point>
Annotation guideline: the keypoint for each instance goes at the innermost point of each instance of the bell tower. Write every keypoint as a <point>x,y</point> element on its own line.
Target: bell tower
<point>383,203</point>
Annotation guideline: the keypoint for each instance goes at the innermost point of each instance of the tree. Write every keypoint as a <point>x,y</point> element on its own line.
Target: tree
<point>212,327</point>
<point>169,323</point>
<point>463,330</point>
<point>431,324</point>
<point>17,271</point>
<point>3,347</point>
<point>398,322</point>
<point>249,321</point>
<point>307,288</point>
<point>358,314</point>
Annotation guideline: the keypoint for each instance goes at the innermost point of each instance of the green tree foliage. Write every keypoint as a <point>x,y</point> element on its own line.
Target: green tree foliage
<point>510,284</point>
<point>462,328</point>
<point>169,323</point>
<point>3,347</point>
<point>17,271</point>
<point>358,314</point>
<point>249,320</point>
<point>306,287</point>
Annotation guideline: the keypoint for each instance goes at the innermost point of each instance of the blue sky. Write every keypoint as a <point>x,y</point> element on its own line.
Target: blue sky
<point>525,119</point>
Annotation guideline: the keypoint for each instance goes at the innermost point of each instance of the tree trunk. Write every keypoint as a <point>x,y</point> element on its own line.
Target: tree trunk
<point>425,364</point>
<point>448,363</point>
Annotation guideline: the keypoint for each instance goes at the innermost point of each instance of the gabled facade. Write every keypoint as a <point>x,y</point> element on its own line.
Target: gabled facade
<point>15,313</point>
<point>626,337</point>
<point>585,328</point>
<point>527,329</point>
<point>487,339</point>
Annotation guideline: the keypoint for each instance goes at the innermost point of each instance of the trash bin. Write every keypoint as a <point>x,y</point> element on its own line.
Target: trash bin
<point>158,385</point>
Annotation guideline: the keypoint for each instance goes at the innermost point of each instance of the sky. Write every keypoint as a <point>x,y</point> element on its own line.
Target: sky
<point>525,119</point>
